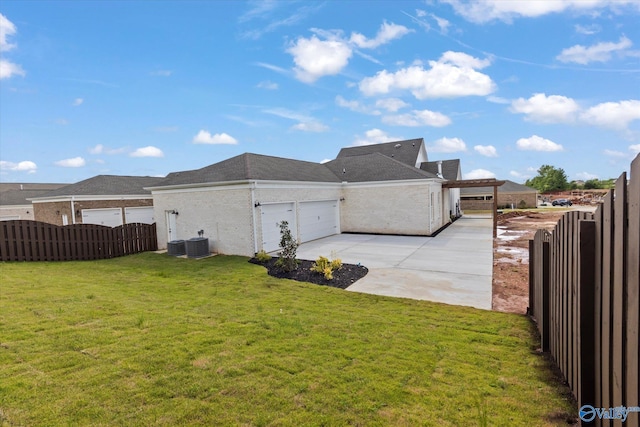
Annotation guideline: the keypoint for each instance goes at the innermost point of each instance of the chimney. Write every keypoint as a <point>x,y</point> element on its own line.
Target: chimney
<point>440,169</point>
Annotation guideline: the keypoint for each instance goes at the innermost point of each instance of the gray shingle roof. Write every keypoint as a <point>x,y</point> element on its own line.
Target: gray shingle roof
<point>19,197</point>
<point>450,168</point>
<point>403,151</point>
<point>507,187</point>
<point>249,166</point>
<point>6,186</point>
<point>374,167</point>
<point>106,185</point>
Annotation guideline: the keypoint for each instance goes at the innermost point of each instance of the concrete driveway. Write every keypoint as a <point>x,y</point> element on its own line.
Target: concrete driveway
<point>455,267</point>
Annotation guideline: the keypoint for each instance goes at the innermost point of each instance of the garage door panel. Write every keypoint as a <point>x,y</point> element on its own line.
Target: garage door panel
<point>142,215</point>
<point>318,219</point>
<point>110,217</point>
<point>272,215</point>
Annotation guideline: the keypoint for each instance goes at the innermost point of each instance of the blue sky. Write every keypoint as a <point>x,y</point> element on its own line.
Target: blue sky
<point>153,87</point>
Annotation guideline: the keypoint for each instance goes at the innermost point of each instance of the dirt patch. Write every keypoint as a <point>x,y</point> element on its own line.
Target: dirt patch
<point>346,276</point>
<point>511,257</point>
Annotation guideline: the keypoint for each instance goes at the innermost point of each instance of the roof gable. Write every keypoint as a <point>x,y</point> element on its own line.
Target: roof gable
<point>374,167</point>
<point>450,169</point>
<point>407,151</point>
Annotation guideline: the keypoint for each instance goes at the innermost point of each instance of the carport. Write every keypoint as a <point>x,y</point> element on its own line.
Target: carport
<point>488,182</point>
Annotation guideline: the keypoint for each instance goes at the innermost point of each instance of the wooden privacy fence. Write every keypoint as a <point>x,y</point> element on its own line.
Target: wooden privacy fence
<point>38,241</point>
<point>584,281</point>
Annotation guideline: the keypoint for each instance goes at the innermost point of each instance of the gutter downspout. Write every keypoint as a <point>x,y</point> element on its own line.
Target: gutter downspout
<point>73,211</point>
<point>253,217</point>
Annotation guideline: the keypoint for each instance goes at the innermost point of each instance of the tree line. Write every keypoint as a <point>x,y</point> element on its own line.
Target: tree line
<point>550,178</point>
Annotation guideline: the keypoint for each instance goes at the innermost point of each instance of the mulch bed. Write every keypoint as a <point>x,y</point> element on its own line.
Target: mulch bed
<point>346,276</point>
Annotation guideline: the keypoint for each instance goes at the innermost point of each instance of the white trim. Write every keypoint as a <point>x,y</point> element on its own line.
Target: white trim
<point>89,198</point>
<point>396,183</point>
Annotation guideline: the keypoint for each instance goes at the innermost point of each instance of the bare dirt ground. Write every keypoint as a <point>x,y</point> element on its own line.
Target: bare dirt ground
<point>511,257</point>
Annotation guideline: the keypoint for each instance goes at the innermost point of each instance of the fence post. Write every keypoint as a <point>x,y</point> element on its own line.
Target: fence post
<point>545,296</point>
<point>586,313</point>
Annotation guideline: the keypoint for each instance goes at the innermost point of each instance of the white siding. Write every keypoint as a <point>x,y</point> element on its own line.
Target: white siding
<point>223,213</point>
<point>402,208</point>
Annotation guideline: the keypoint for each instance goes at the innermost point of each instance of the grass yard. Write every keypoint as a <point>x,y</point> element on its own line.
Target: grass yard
<point>158,341</point>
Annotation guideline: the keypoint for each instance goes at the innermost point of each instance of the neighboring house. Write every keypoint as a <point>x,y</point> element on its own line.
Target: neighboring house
<point>510,194</point>
<point>104,199</point>
<point>238,203</point>
<point>14,203</point>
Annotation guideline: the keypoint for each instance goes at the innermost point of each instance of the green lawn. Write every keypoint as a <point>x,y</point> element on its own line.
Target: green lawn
<point>157,341</point>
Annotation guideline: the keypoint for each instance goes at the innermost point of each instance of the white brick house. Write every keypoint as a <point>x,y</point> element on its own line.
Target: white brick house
<point>238,202</point>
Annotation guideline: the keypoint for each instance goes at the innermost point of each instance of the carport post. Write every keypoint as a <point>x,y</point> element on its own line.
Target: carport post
<point>495,211</point>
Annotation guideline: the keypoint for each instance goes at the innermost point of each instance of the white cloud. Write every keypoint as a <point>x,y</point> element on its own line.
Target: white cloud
<point>386,33</point>
<point>375,136</point>
<point>546,109</point>
<point>323,161</point>
<point>75,162</point>
<point>479,174</point>
<point>519,175</point>
<point>482,11</point>
<point>586,176</point>
<point>600,52</point>
<point>453,75</point>
<point>205,137</point>
<point>77,101</point>
<point>418,118</point>
<point>310,127</point>
<point>613,153</point>
<point>587,29</point>
<point>315,58</point>
<point>8,68</point>
<point>149,151</point>
<point>537,143</point>
<point>269,85</point>
<point>7,28</point>
<point>101,149</point>
<point>498,100</point>
<point>355,106</point>
<point>635,148</point>
<point>23,166</point>
<point>391,104</point>
<point>486,150</point>
<point>615,115</point>
<point>447,145</point>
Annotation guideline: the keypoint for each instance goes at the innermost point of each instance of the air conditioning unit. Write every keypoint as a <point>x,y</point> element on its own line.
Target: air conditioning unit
<point>197,247</point>
<point>176,248</point>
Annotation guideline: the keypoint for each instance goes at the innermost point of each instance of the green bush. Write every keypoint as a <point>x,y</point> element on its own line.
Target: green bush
<point>326,267</point>
<point>262,256</point>
<point>287,260</point>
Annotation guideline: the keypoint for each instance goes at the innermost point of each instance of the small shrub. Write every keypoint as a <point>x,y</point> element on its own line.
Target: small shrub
<point>262,256</point>
<point>522,204</point>
<point>287,260</point>
<point>326,267</point>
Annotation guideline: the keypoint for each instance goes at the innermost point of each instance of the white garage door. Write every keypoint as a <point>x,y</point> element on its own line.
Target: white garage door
<point>318,219</point>
<point>111,217</point>
<point>143,215</point>
<point>272,215</point>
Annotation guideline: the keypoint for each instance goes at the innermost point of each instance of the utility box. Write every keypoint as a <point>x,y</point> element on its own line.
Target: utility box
<point>197,247</point>
<point>176,248</point>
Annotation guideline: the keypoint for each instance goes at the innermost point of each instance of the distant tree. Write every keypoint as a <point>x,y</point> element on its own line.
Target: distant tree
<point>592,184</point>
<point>549,178</point>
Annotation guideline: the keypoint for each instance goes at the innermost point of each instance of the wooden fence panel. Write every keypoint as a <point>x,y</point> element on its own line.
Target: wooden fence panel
<point>632,298</point>
<point>24,240</point>
<point>593,299</point>
<point>618,285</point>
